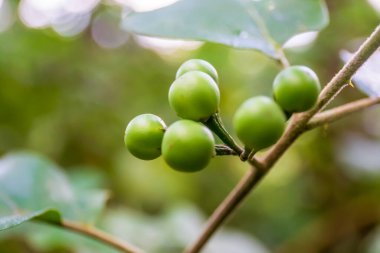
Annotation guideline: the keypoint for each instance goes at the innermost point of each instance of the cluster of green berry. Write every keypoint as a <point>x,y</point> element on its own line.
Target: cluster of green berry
<point>188,144</point>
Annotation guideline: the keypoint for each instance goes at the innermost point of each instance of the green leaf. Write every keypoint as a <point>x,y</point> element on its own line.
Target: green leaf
<point>32,187</point>
<point>47,215</point>
<point>263,25</point>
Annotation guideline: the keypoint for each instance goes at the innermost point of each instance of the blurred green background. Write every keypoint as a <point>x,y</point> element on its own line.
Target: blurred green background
<point>68,89</point>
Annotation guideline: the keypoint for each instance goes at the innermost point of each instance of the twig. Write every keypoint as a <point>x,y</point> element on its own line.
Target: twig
<point>341,111</point>
<point>245,154</point>
<point>295,128</point>
<point>100,236</point>
<point>299,120</point>
<point>226,207</point>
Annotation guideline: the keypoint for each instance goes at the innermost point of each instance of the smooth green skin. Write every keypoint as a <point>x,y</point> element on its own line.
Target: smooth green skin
<point>200,65</point>
<point>194,95</point>
<point>143,136</point>
<point>259,122</point>
<point>296,88</point>
<point>188,146</point>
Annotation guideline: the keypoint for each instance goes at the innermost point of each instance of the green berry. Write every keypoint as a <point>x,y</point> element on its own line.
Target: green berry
<point>188,146</point>
<point>143,136</point>
<point>259,122</point>
<point>200,65</point>
<point>296,88</point>
<point>194,95</point>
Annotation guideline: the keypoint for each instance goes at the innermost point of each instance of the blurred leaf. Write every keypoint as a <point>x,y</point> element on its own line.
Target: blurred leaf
<point>32,187</point>
<point>359,154</point>
<point>174,229</point>
<point>50,238</point>
<point>367,78</point>
<point>261,25</point>
<point>168,232</point>
<point>47,215</point>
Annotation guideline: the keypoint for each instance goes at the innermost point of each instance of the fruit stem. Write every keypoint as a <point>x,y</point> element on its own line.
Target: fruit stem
<point>221,150</point>
<point>244,156</point>
<point>216,125</point>
<point>251,155</point>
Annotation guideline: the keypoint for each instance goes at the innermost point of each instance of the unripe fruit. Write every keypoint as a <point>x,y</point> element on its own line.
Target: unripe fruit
<point>259,122</point>
<point>195,96</point>
<point>143,136</point>
<point>188,146</point>
<point>296,88</point>
<point>197,64</point>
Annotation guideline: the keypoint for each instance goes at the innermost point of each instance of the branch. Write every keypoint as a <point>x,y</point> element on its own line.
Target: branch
<point>345,74</point>
<point>226,207</point>
<point>295,128</point>
<point>299,120</point>
<point>100,236</point>
<point>341,111</point>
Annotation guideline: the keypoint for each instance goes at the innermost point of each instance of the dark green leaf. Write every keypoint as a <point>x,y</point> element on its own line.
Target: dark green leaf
<point>251,24</point>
